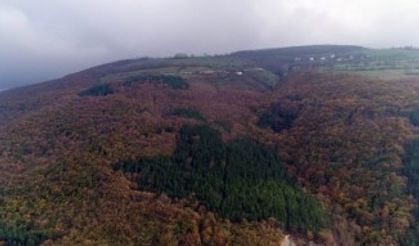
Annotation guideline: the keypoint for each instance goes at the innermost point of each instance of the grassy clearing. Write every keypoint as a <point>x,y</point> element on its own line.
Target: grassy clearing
<point>389,74</point>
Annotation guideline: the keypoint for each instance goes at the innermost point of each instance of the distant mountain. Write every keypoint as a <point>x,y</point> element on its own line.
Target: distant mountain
<point>310,144</point>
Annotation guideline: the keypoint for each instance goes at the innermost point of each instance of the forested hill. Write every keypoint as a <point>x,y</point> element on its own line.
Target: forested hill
<point>317,142</point>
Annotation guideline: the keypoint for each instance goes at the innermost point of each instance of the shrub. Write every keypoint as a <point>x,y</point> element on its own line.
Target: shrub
<point>187,113</point>
<point>414,117</point>
<point>172,81</point>
<point>98,90</point>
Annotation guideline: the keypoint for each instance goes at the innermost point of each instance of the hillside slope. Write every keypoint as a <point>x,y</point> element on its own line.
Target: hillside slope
<point>209,151</point>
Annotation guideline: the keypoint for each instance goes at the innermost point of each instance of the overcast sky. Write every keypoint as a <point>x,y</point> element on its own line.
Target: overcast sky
<point>44,39</point>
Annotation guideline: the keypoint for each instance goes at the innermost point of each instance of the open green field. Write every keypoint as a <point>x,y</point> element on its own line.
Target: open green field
<point>386,74</point>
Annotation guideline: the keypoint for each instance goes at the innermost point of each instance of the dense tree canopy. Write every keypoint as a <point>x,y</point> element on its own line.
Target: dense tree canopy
<point>21,234</point>
<point>411,171</point>
<point>278,117</point>
<point>239,180</point>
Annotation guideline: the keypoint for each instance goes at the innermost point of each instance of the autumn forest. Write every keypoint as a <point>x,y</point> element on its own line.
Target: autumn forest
<point>238,149</point>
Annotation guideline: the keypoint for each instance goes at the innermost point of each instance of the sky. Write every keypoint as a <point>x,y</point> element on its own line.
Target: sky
<point>46,39</point>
